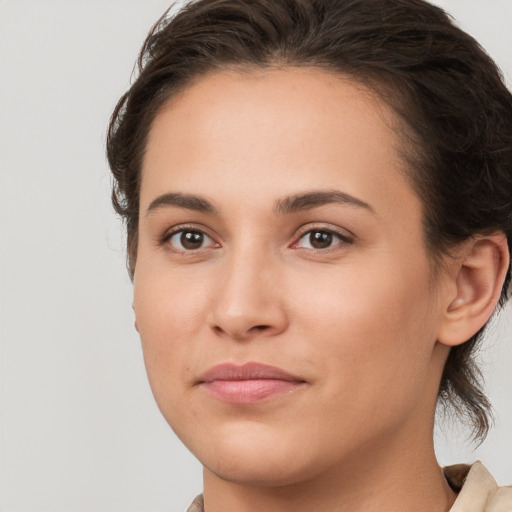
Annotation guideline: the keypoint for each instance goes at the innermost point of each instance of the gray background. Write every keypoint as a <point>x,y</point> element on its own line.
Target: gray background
<point>79,430</point>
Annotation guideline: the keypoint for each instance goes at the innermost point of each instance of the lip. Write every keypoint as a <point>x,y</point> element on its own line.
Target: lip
<point>249,383</point>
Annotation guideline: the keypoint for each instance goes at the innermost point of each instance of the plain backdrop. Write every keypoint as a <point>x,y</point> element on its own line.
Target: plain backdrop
<point>79,430</point>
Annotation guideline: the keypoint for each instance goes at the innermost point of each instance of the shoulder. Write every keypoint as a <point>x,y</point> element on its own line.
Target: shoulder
<point>479,492</point>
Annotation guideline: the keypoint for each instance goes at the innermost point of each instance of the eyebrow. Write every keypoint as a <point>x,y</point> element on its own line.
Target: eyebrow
<point>289,204</point>
<point>306,201</point>
<point>188,201</point>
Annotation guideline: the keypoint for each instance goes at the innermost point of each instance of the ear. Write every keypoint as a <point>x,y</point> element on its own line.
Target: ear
<point>478,276</point>
<point>135,321</point>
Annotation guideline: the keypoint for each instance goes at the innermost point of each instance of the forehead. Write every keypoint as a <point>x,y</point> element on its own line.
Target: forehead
<point>281,128</point>
<point>284,99</point>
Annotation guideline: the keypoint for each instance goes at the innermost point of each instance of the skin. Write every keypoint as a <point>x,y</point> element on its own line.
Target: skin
<point>359,321</point>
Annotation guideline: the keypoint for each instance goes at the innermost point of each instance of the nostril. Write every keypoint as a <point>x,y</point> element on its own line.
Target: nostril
<point>261,327</point>
<point>219,330</point>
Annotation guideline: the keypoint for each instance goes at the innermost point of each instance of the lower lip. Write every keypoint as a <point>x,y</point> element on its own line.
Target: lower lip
<point>249,391</point>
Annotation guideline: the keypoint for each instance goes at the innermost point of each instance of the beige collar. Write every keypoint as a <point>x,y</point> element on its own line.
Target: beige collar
<point>479,492</point>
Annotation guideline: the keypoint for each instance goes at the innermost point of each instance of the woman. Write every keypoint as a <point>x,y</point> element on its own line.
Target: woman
<point>318,200</point>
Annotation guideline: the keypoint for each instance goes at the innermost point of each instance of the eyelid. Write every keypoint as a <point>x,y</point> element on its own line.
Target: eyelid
<point>346,236</point>
<point>165,239</point>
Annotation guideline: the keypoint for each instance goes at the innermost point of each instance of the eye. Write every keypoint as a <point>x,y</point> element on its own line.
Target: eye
<point>189,240</point>
<point>320,239</point>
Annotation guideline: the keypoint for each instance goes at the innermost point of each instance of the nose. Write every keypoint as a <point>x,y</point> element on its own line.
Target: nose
<point>249,300</point>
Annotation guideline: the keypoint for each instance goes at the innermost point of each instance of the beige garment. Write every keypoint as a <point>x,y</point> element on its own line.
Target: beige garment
<point>197,505</point>
<point>478,491</point>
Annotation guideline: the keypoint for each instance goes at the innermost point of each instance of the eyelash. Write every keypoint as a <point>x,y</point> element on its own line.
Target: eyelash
<point>343,239</point>
<point>181,230</point>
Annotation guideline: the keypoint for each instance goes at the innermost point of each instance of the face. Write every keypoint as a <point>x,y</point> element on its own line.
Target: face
<point>283,293</point>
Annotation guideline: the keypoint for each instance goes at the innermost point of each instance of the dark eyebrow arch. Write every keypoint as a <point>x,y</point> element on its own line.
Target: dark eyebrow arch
<point>188,201</point>
<point>309,200</point>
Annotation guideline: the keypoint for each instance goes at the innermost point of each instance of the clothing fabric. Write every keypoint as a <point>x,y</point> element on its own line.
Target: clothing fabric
<point>477,489</point>
<point>197,505</point>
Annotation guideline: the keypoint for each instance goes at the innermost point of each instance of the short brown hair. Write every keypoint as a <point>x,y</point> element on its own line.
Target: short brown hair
<point>457,111</point>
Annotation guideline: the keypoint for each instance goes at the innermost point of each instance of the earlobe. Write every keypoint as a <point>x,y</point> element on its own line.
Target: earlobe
<point>479,275</point>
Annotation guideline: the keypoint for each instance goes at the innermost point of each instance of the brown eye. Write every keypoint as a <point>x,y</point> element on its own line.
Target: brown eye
<point>320,239</point>
<point>189,240</point>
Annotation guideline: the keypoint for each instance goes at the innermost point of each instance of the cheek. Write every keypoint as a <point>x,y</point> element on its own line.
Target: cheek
<point>167,304</point>
<point>377,328</point>
<point>169,314</point>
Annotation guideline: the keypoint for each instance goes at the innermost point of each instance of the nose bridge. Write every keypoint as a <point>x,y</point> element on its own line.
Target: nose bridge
<point>248,299</point>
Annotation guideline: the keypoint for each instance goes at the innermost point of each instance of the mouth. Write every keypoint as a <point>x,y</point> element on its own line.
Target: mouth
<point>249,383</point>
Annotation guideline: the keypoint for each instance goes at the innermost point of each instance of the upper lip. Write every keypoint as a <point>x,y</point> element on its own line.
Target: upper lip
<point>247,371</point>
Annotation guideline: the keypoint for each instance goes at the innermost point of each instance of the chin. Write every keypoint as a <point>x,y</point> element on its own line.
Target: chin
<point>262,470</point>
<point>255,453</point>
